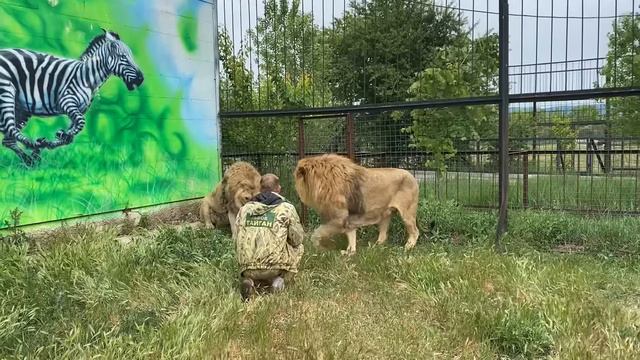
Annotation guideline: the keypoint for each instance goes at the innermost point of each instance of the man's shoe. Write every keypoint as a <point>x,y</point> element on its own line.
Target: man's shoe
<point>247,289</point>
<point>278,284</point>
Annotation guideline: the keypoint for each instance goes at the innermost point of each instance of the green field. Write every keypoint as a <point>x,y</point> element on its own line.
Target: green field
<point>82,294</point>
<point>570,191</point>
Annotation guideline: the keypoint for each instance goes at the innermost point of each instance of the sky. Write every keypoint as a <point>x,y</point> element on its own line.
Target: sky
<point>541,32</point>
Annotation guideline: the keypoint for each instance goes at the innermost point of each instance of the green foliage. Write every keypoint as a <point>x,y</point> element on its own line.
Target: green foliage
<point>16,235</point>
<point>606,236</point>
<point>444,222</point>
<point>372,54</point>
<point>238,93</point>
<point>539,229</point>
<point>379,46</point>
<point>462,69</point>
<point>291,49</point>
<point>237,82</point>
<point>585,113</point>
<point>118,300</point>
<point>563,130</point>
<point>290,75</point>
<point>622,69</point>
<point>522,332</point>
<point>522,125</point>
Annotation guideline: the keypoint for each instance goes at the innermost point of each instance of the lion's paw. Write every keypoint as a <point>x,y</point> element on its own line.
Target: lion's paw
<point>348,252</point>
<point>409,246</point>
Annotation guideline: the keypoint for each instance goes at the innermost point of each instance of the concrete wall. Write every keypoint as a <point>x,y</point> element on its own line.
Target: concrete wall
<point>155,144</point>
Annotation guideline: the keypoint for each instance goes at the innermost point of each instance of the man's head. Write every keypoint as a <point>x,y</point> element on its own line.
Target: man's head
<point>270,182</point>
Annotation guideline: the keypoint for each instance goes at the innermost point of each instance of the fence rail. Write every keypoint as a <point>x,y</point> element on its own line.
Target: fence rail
<point>532,185</point>
<point>552,94</point>
<point>591,178</point>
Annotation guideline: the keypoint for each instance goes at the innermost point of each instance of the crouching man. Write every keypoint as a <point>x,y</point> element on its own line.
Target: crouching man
<point>268,239</point>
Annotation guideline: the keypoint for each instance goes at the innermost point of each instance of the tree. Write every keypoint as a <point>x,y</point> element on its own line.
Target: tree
<point>462,69</point>
<point>283,43</point>
<point>288,45</point>
<point>378,48</point>
<point>522,126</point>
<point>565,134</point>
<point>236,85</point>
<point>380,45</point>
<point>622,69</point>
<point>562,129</point>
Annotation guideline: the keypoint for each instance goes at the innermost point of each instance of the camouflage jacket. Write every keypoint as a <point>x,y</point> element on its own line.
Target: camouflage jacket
<point>269,234</point>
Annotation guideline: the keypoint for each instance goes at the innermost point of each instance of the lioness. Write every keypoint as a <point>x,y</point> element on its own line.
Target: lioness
<point>241,182</point>
<point>348,196</point>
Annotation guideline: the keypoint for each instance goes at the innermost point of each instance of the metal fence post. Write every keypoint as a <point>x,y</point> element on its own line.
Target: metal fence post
<point>503,138</point>
<point>304,213</point>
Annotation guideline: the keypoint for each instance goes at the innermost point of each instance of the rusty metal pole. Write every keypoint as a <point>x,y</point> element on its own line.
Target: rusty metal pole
<point>304,213</point>
<point>350,136</point>
<point>535,132</point>
<point>503,137</point>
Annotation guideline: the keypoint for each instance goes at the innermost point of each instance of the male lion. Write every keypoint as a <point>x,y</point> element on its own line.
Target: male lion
<point>240,183</point>
<point>348,196</point>
<point>212,210</point>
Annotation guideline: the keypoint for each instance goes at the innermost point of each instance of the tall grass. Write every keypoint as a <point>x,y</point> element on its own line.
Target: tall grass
<point>174,294</point>
<point>85,293</point>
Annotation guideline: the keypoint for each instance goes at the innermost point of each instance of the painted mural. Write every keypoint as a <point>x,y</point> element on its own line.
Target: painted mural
<point>105,105</point>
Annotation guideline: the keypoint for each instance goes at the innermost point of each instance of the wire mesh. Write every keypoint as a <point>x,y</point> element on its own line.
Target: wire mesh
<point>297,54</point>
<point>337,55</point>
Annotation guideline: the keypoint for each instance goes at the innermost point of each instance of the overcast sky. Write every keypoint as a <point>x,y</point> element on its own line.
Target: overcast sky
<point>551,31</point>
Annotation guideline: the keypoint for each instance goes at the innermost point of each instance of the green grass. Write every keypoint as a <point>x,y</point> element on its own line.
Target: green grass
<point>598,193</point>
<point>83,294</point>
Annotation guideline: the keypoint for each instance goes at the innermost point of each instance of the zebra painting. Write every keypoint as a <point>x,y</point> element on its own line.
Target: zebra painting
<point>37,84</point>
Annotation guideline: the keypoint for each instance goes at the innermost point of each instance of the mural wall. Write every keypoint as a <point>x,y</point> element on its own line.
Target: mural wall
<point>129,120</point>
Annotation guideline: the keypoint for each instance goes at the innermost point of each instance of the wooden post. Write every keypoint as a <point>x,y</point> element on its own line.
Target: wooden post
<point>350,137</point>
<point>525,180</point>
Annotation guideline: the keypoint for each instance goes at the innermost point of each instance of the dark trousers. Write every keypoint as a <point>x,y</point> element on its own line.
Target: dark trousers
<point>266,277</point>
